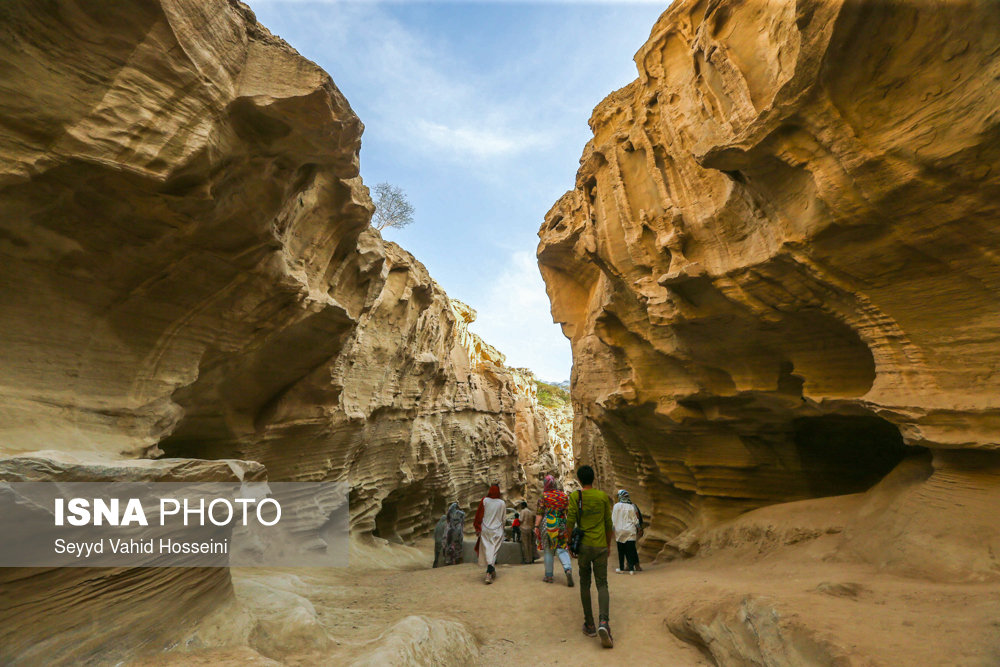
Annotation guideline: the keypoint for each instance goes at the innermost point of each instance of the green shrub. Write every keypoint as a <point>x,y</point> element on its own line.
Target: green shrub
<point>551,396</point>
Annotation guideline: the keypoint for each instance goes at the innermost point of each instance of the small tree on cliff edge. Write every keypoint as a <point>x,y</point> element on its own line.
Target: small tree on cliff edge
<point>392,209</point>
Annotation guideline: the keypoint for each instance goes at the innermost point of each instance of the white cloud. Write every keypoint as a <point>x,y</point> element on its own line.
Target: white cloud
<point>417,95</point>
<point>484,141</point>
<point>479,142</point>
<point>514,317</point>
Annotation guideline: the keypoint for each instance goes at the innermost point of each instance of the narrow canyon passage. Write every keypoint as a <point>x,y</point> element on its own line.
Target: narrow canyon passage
<point>762,301</point>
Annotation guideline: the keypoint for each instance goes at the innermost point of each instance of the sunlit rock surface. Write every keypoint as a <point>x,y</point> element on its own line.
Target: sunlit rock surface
<point>412,409</point>
<point>417,640</point>
<point>178,186</point>
<point>188,270</point>
<point>777,273</point>
<point>544,435</point>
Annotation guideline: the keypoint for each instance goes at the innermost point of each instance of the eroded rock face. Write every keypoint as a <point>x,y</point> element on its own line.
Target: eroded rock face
<point>414,411</point>
<point>544,436</point>
<point>177,185</point>
<point>559,428</point>
<point>188,269</point>
<point>417,640</point>
<point>775,268</point>
<point>80,615</point>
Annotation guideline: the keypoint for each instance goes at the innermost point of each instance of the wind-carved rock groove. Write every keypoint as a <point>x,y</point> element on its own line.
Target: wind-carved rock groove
<point>775,276</point>
<point>188,271</point>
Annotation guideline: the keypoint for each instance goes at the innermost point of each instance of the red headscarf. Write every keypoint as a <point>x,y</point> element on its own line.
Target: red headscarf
<point>494,492</point>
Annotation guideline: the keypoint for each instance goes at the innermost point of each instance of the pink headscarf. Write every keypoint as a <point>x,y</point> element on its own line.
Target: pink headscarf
<point>550,483</point>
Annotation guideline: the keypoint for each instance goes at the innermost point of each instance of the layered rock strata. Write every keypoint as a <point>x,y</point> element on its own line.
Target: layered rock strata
<point>775,271</point>
<point>178,185</point>
<point>413,410</point>
<point>81,615</point>
<point>188,270</point>
<point>543,435</point>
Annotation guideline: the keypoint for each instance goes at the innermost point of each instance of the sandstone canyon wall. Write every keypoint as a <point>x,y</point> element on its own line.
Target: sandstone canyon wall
<point>188,272</point>
<point>778,271</point>
<point>544,435</point>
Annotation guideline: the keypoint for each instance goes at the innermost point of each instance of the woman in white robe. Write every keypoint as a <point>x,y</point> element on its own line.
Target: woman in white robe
<point>490,519</point>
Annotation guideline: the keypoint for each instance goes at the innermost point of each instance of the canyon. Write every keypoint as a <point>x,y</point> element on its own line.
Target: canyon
<point>777,271</point>
<point>193,291</point>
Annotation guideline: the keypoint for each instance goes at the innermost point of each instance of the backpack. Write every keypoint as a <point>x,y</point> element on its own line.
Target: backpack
<point>576,539</point>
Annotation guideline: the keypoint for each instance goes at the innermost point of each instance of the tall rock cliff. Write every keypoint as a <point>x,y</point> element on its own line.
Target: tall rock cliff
<point>179,187</point>
<point>779,277</point>
<point>188,271</point>
<point>544,435</point>
<point>189,268</point>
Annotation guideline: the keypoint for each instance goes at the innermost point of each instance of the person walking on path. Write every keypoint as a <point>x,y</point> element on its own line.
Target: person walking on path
<point>527,534</point>
<point>594,518</point>
<point>489,523</point>
<point>625,518</point>
<point>454,535</point>
<point>552,535</point>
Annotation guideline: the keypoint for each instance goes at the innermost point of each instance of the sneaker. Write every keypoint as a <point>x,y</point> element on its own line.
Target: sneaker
<point>547,579</point>
<point>631,572</point>
<point>617,571</point>
<point>589,629</point>
<point>489,578</point>
<point>604,630</point>
<point>569,578</point>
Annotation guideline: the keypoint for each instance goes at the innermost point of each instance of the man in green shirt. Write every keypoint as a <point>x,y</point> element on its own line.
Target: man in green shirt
<point>598,533</point>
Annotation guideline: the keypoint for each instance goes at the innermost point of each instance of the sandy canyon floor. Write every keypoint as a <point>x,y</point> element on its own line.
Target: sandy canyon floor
<point>795,606</point>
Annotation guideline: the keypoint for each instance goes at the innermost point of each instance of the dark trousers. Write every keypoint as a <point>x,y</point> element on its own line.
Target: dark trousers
<point>594,559</point>
<point>627,551</point>
<point>516,534</point>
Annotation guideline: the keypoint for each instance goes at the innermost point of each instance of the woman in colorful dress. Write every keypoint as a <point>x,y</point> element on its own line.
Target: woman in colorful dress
<point>489,523</point>
<point>550,529</point>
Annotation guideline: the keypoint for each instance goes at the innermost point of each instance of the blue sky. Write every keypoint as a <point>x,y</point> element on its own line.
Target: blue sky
<point>479,112</point>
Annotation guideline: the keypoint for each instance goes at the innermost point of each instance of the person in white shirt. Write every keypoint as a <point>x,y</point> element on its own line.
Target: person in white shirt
<point>625,518</point>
